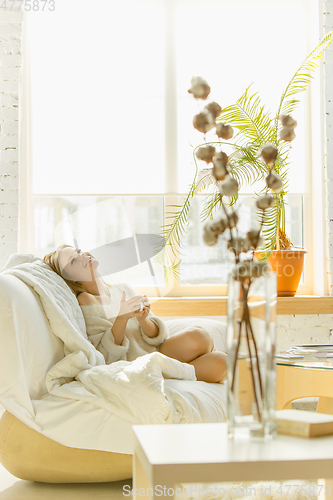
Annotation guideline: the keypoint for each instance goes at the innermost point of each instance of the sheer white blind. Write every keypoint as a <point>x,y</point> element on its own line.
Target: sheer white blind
<point>97,75</point>
<point>98,84</point>
<point>234,43</point>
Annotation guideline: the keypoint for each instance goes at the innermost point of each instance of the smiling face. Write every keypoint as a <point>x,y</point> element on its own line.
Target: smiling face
<point>76,265</point>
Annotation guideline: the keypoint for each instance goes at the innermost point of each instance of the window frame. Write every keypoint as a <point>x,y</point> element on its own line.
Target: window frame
<point>314,207</point>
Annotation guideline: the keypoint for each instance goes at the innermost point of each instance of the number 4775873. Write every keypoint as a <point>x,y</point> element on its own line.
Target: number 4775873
<point>34,5</point>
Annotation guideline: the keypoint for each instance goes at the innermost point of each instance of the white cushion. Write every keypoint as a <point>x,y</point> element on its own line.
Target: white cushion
<point>29,348</point>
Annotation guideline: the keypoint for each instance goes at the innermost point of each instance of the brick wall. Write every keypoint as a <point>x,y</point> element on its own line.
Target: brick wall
<point>328,72</point>
<point>10,72</point>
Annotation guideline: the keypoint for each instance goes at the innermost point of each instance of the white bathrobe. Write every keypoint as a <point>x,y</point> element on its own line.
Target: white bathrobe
<point>100,319</point>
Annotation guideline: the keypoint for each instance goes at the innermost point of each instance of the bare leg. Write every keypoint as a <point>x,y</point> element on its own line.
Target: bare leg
<point>211,367</point>
<point>187,344</point>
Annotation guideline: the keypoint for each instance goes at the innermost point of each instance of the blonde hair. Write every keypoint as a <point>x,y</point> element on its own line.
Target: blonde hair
<point>52,260</point>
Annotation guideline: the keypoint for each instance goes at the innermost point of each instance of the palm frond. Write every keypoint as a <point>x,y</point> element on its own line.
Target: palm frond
<point>270,228</point>
<point>250,117</point>
<point>171,272</point>
<point>211,201</point>
<point>302,77</point>
<point>245,165</point>
<point>274,219</point>
<point>204,179</point>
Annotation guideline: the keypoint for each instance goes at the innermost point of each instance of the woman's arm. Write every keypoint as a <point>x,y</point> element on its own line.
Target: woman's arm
<point>148,327</point>
<point>154,330</point>
<point>118,329</point>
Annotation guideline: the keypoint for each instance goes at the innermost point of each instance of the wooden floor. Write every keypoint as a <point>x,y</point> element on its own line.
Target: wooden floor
<point>12,488</point>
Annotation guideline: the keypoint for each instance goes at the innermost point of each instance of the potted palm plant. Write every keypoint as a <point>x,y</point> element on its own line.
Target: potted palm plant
<point>255,128</point>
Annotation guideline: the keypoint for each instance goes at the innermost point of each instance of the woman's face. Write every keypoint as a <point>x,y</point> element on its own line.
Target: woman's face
<point>76,265</point>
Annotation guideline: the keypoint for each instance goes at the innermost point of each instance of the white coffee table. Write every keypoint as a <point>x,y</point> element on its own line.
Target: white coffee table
<point>196,453</point>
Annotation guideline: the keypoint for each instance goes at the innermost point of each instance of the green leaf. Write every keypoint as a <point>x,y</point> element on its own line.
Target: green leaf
<point>302,77</point>
<point>250,117</point>
<point>204,179</point>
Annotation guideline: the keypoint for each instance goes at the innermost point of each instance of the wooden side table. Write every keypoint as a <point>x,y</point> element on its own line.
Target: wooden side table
<point>304,379</point>
<point>165,455</point>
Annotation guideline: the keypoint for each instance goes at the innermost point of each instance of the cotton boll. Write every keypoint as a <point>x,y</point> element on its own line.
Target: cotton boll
<point>219,173</point>
<point>288,121</point>
<point>214,109</point>
<point>209,238</point>
<point>219,225</point>
<point>224,131</point>
<point>220,160</point>
<point>203,121</point>
<point>287,134</point>
<point>238,245</point>
<point>232,220</point>
<point>274,181</point>
<point>265,201</point>
<point>208,228</point>
<point>269,153</point>
<point>205,153</point>
<point>229,186</point>
<point>199,88</point>
<point>254,238</point>
<point>252,245</point>
<point>216,226</point>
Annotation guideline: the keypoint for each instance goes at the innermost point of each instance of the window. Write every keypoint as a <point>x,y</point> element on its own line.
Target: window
<point>112,134</point>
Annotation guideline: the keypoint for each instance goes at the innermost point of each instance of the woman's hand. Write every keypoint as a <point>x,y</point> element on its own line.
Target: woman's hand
<point>143,315</point>
<point>146,309</point>
<point>146,303</point>
<point>129,308</point>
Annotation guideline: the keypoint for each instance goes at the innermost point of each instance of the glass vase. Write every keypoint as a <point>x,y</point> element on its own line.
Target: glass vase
<point>251,357</point>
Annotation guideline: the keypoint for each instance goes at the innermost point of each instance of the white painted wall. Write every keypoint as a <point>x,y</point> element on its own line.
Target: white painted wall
<point>300,329</point>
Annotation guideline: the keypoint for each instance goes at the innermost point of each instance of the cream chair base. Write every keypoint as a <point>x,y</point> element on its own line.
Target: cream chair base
<point>28,455</point>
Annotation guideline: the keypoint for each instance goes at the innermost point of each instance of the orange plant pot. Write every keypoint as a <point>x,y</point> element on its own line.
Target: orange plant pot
<point>288,266</point>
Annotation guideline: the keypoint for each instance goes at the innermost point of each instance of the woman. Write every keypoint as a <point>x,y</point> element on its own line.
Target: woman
<point>120,329</point>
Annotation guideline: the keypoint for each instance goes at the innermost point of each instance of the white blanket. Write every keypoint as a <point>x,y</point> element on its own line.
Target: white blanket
<point>134,391</point>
